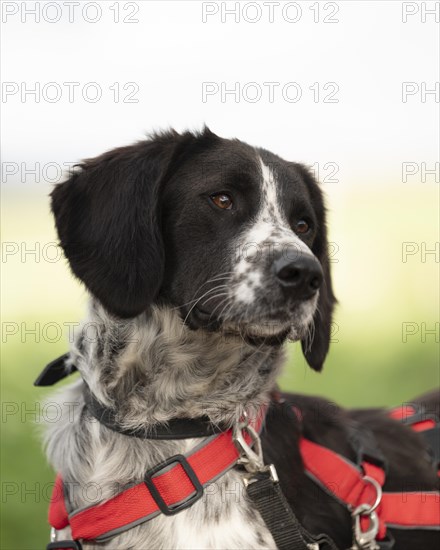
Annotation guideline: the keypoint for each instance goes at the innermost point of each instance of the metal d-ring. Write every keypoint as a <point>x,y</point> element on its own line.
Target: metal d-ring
<point>370,507</point>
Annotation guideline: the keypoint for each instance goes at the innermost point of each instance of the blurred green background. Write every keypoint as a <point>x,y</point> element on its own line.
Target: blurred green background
<point>372,360</point>
<point>368,129</point>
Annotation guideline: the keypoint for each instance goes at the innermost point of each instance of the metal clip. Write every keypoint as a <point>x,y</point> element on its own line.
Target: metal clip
<point>366,540</point>
<point>251,455</point>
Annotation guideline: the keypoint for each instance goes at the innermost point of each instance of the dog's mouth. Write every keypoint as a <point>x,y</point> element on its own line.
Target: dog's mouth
<point>269,329</point>
<point>259,334</point>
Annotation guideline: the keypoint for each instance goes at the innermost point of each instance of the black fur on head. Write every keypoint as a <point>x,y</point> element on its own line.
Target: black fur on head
<point>316,349</point>
<point>139,226</point>
<point>108,223</point>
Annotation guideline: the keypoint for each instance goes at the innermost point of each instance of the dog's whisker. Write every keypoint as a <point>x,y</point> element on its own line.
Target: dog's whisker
<point>198,290</point>
<point>218,287</point>
<point>223,295</point>
<point>215,296</point>
<point>228,304</point>
<point>308,339</point>
<point>201,297</point>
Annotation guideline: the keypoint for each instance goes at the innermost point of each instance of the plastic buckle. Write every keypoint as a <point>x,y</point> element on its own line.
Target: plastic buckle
<point>419,416</point>
<point>431,435</point>
<point>175,508</point>
<point>70,544</point>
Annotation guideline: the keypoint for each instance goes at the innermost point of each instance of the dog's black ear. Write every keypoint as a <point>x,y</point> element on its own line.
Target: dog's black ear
<point>108,221</point>
<point>316,345</point>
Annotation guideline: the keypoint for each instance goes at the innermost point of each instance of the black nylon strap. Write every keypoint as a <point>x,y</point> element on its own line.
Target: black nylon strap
<point>286,530</point>
<point>364,444</point>
<point>176,428</point>
<point>55,371</point>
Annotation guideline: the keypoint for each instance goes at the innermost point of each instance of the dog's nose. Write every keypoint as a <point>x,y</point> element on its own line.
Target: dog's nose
<point>300,277</point>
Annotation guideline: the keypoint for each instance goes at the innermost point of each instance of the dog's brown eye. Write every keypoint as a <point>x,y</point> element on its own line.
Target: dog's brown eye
<point>302,227</point>
<point>222,200</point>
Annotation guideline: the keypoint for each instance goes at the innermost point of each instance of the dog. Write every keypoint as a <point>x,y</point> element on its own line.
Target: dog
<point>202,257</point>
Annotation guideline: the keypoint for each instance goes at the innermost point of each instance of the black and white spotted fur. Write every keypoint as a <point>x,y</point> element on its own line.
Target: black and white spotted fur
<point>188,317</point>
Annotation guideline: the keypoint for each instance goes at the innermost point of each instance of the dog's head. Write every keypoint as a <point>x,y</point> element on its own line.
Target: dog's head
<point>231,235</point>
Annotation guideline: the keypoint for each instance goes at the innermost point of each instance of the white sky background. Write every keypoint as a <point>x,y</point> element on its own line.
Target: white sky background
<point>170,52</point>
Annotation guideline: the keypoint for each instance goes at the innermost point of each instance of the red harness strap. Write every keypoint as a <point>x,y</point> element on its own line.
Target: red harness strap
<point>179,485</point>
<point>346,482</point>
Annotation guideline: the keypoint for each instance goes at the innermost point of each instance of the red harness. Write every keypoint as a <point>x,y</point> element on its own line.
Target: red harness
<point>178,482</point>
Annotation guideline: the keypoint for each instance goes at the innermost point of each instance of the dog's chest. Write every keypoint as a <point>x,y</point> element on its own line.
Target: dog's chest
<point>223,518</point>
<point>236,531</point>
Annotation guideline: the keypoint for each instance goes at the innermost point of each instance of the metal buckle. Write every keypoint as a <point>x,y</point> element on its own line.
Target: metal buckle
<point>251,455</point>
<point>366,540</point>
<point>174,508</point>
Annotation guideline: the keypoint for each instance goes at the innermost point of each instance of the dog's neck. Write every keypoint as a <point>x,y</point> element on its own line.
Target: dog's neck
<point>154,368</point>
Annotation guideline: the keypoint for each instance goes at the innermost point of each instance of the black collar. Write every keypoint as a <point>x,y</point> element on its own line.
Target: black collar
<point>176,428</point>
